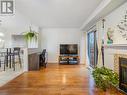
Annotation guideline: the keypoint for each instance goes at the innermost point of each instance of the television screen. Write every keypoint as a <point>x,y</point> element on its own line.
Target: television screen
<point>68,49</point>
<point>63,49</point>
<point>73,49</point>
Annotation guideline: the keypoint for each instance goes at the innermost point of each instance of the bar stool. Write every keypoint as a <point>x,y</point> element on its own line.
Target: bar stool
<point>3,59</point>
<point>16,52</point>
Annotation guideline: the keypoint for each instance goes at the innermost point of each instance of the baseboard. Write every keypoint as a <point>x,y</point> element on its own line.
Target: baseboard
<point>58,63</point>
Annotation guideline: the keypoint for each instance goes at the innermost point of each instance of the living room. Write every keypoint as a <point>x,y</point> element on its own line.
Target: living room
<point>60,48</point>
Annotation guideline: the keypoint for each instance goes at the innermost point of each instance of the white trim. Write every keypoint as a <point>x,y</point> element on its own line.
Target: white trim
<point>105,7</point>
<point>102,5</point>
<point>92,28</point>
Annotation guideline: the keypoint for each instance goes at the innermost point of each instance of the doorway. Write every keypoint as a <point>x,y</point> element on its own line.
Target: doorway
<point>92,49</point>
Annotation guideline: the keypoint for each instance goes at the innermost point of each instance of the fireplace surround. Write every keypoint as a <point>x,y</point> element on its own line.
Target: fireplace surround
<point>123,74</point>
<point>120,67</point>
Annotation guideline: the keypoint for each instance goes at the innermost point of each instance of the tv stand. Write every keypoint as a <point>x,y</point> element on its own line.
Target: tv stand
<point>68,59</point>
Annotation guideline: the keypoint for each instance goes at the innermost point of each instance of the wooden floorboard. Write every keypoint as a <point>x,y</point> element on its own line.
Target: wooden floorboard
<point>55,80</point>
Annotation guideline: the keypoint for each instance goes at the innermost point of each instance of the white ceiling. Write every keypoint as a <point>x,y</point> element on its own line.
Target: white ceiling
<point>105,7</point>
<point>57,13</point>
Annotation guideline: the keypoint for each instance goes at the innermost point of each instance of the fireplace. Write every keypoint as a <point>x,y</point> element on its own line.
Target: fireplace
<point>123,73</point>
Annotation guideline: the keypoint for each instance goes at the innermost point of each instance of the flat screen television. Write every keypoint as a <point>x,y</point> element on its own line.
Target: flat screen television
<point>69,49</point>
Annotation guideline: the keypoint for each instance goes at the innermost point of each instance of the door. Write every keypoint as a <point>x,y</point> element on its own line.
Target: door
<point>92,49</point>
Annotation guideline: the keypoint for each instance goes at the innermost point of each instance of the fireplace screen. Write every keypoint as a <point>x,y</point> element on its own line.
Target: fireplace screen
<point>123,73</point>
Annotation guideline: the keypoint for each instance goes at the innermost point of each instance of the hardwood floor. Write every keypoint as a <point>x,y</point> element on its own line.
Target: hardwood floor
<point>55,80</point>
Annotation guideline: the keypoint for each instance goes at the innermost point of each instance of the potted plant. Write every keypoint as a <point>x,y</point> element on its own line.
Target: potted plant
<point>104,78</point>
<point>30,35</point>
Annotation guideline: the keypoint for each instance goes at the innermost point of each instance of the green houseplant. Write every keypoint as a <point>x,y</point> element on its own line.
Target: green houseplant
<point>105,77</point>
<point>30,35</point>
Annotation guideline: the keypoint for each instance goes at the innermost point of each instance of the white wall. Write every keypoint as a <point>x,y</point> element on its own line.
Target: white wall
<point>83,48</point>
<point>18,41</point>
<point>109,55</point>
<point>112,20</point>
<point>53,37</point>
<point>14,24</point>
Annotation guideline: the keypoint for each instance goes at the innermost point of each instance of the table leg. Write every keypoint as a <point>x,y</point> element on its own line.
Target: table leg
<point>5,62</point>
<point>13,59</point>
<point>0,63</point>
<point>7,58</point>
<point>10,59</point>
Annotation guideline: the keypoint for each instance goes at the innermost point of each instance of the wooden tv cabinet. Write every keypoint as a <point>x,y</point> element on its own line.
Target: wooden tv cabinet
<point>68,59</point>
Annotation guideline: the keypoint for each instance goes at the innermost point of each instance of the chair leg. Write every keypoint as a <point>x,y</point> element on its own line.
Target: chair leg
<point>4,66</point>
<point>0,63</point>
<point>7,58</point>
<point>45,64</point>
<point>20,61</point>
<point>13,62</point>
<point>5,62</point>
<point>10,62</point>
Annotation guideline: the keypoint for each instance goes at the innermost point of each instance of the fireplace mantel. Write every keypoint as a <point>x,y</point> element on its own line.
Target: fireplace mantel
<point>115,45</point>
